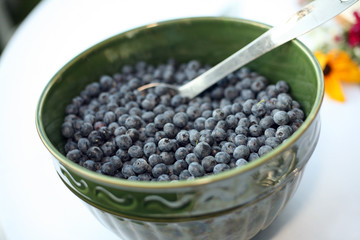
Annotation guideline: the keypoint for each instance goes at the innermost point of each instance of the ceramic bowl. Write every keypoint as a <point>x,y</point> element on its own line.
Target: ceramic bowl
<point>235,204</point>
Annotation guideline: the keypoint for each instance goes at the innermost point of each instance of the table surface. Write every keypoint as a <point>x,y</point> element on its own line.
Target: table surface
<point>35,204</point>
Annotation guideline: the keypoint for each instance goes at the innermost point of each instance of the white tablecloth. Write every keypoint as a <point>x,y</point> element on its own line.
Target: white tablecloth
<point>35,204</point>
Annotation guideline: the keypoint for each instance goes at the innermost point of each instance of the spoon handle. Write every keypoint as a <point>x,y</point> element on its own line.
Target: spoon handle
<point>306,19</point>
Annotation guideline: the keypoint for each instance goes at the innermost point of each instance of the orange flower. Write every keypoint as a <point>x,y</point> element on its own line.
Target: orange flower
<point>337,66</point>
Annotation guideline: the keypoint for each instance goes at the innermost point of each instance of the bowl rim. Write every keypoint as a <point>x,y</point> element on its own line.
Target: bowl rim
<point>196,182</point>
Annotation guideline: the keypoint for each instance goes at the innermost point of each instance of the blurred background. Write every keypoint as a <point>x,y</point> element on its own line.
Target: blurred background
<point>12,13</point>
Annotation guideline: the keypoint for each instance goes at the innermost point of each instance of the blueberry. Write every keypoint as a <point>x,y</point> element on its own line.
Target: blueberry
<point>284,102</point>
<point>109,117</point>
<point>196,169</point>
<point>179,166</point>
<point>113,126</point>
<point>255,130</point>
<point>194,136</point>
<point>244,122</point>
<point>296,114</point>
<point>240,139</point>
<point>127,171</point>
<point>231,121</point>
<point>236,107</point>
<point>120,130</point>
<point>95,153</point>
<point>159,109</point>
<point>253,119</point>
<point>167,157</point>
<point>206,137</point>
<point>67,130</point>
<point>272,141</point>
<point>108,149</point>
<point>133,122</point>
<point>155,159</point>
<point>219,134</point>
<point>271,91</point>
<point>116,162</point>
<point>266,122</point>
<point>228,148</point>
<point>281,118</point>
<point>160,120</point>
<point>220,167</point>
<point>105,133</point>
<point>74,155</point>
<point>133,178</point>
<point>123,141</point>
<point>90,164</point>
<point>134,134</point>
<point>135,151</point>
<point>148,116</point>
<point>207,113</point>
<point>264,149</point>
<point>159,169</point>
<point>253,144</point>
<point>165,144</point>
<point>148,104</point>
<point>144,177</point>
<point>269,132</point>
<point>283,132</point>
<point>218,115</point>
<point>282,86</point>
<point>149,149</point>
<point>176,100</point>
<point>150,130</point>
<point>181,153</point>
<point>140,166</point>
<point>296,124</point>
<point>210,123</point>
<point>185,174</point>
<point>170,130</point>
<point>241,151</point>
<point>86,128</point>
<point>183,137</point>
<point>199,123</point>
<point>108,169</point>
<point>259,109</point>
<point>191,157</point>
<point>180,119</point>
<point>202,149</point>
<point>163,178</point>
<point>221,124</point>
<point>230,93</point>
<point>208,163</point>
<point>93,89</point>
<point>253,156</point>
<point>241,162</point>
<point>261,140</point>
<point>242,130</point>
<point>83,144</point>
<point>222,157</point>
<point>193,112</point>
<point>123,155</point>
<point>89,118</point>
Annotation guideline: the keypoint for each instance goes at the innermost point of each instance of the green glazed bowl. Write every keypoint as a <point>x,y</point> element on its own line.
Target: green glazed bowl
<point>235,204</point>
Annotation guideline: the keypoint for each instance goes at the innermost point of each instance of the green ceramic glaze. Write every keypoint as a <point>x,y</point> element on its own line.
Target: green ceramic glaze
<point>184,206</point>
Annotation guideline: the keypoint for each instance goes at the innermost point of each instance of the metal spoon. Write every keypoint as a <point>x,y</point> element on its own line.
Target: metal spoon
<point>306,19</point>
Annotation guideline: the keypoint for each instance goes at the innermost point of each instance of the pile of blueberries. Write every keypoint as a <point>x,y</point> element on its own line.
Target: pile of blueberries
<point>157,135</point>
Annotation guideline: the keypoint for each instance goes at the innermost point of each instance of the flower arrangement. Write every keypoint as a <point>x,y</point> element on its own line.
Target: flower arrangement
<point>338,52</point>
